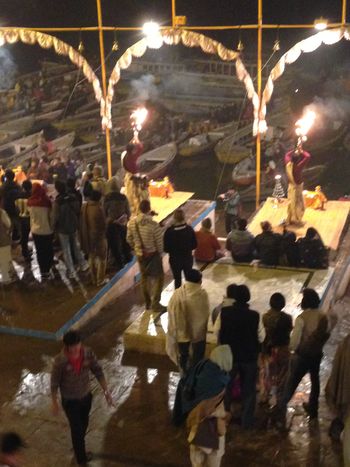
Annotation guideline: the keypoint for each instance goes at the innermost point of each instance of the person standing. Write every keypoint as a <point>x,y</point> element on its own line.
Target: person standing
<point>24,217</point>
<point>117,212</point>
<point>11,191</point>
<point>11,454</point>
<point>275,350</point>
<point>310,333</point>
<point>40,210</point>
<point>71,376</point>
<point>338,392</point>
<point>188,315</point>
<point>179,241</point>
<point>98,182</point>
<point>295,162</point>
<point>93,236</point>
<point>242,329</point>
<point>66,212</point>
<point>145,236</point>
<point>5,245</point>
<point>232,202</point>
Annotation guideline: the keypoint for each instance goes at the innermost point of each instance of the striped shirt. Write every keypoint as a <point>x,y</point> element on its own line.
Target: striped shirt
<point>150,232</point>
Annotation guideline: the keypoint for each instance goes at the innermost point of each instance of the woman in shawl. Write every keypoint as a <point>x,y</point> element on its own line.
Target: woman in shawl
<point>40,211</point>
<point>205,408</point>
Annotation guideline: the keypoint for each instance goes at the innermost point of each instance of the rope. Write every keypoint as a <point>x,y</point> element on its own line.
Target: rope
<point>77,82</point>
<point>239,120</point>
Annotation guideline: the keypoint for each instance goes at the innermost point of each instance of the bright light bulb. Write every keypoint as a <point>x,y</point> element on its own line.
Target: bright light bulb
<point>320,24</point>
<point>150,28</point>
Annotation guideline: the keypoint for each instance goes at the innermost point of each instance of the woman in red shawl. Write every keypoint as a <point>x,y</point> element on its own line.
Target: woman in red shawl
<point>40,209</point>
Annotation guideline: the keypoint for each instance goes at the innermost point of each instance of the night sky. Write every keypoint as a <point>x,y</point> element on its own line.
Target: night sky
<point>136,12</point>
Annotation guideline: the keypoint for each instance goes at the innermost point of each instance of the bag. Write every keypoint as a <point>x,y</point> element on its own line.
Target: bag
<point>207,435</point>
<point>152,265</point>
<point>313,346</point>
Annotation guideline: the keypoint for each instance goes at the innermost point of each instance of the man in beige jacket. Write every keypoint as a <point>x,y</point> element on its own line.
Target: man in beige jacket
<point>188,314</point>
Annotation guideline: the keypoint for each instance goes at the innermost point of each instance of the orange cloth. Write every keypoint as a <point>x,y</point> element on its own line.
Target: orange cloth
<point>314,199</point>
<point>160,189</point>
<point>207,246</point>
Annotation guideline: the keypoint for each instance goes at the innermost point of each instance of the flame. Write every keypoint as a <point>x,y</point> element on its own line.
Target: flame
<point>138,118</point>
<point>304,124</point>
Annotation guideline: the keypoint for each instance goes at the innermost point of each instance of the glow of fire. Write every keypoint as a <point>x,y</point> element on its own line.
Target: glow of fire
<point>138,118</point>
<point>304,124</point>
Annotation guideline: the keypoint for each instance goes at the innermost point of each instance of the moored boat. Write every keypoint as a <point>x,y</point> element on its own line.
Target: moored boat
<point>199,144</point>
<point>156,163</point>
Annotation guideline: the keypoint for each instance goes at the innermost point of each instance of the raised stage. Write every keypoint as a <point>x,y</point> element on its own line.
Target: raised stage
<point>147,333</point>
<point>47,311</point>
<point>329,223</point>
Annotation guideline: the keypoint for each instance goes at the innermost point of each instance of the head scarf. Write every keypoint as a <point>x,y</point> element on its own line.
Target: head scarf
<point>39,197</point>
<point>222,356</point>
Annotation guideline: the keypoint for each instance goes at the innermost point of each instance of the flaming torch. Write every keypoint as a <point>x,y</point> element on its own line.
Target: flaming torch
<point>138,118</point>
<point>303,126</point>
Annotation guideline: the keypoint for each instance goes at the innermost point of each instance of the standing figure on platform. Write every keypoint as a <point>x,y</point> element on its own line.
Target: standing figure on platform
<point>136,184</point>
<point>295,162</point>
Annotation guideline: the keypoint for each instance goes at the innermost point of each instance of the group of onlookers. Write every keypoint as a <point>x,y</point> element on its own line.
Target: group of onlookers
<point>83,224</point>
<point>248,344</point>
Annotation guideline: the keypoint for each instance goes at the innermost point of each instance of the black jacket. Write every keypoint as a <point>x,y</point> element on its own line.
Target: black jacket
<point>11,191</point>
<point>180,240</point>
<point>268,246</point>
<point>239,329</point>
<point>66,214</point>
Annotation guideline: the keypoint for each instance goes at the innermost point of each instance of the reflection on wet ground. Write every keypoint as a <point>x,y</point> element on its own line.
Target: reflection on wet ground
<point>138,432</point>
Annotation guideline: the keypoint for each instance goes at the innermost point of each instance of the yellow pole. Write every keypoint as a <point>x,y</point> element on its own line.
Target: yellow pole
<point>259,76</point>
<point>104,84</point>
<point>173,12</point>
<point>343,13</point>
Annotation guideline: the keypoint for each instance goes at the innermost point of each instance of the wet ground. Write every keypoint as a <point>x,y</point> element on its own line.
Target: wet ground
<point>138,432</point>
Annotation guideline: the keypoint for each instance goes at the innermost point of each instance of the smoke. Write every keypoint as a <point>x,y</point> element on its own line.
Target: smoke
<point>8,69</point>
<point>144,88</point>
<point>330,109</point>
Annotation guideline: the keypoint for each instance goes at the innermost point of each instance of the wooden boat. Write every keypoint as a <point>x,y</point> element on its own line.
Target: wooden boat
<point>199,144</point>
<point>156,163</point>
<point>244,172</point>
<point>311,177</point>
<point>19,145</point>
<point>12,115</point>
<point>49,116</point>
<point>229,153</point>
<point>50,106</point>
<point>21,125</point>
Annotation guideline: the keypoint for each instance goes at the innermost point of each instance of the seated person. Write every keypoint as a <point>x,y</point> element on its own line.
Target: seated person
<point>289,254</point>
<point>312,251</point>
<point>208,246</point>
<point>267,245</point>
<point>241,243</point>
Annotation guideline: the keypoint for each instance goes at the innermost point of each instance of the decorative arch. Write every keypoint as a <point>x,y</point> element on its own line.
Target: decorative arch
<point>46,41</point>
<point>173,36</point>
<point>328,37</point>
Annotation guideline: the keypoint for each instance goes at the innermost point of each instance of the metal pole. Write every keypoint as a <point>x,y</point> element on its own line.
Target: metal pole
<point>173,12</point>
<point>259,76</point>
<point>104,84</point>
<point>343,13</point>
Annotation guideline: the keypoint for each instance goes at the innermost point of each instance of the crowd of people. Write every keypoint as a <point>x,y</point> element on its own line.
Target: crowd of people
<point>84,223</point>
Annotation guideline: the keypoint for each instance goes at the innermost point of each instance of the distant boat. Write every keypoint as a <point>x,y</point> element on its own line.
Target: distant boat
<point>156,163</point>
<point>199,144</point>
<point>49,116</point>
<point>21,125</point>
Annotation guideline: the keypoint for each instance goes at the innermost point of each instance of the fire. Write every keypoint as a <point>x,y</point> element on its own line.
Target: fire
<point>304,125</point>
<point>138,118</point>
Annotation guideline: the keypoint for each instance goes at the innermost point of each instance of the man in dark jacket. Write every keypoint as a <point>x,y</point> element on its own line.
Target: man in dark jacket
<point>66,221</point>
<point>11,191</point>
<point>179,242</point>
<point>267,245</point>
<point>241,243</point>
<point>242,329</point>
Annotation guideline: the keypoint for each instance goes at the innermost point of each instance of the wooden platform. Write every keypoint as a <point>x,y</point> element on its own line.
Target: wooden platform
<point>166,206</point>
<point>148,332</point>
<point>329,223</point>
